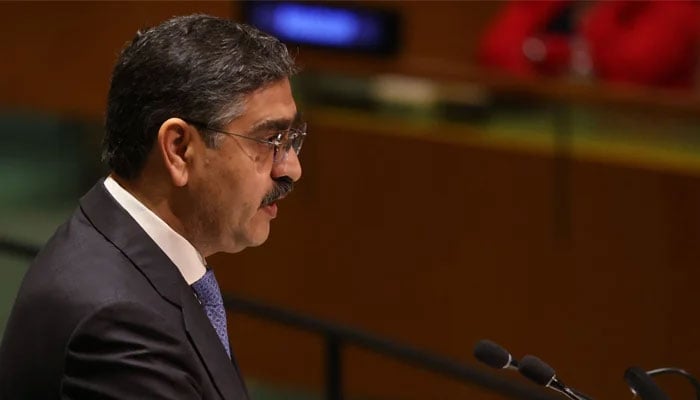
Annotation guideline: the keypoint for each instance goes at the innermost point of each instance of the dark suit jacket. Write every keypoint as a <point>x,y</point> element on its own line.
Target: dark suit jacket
<point>103,313</point>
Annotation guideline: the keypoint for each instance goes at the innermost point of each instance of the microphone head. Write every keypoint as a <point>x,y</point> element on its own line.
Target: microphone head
<point>492,354</point>
<point>536,370</point>
<point>642,385</point>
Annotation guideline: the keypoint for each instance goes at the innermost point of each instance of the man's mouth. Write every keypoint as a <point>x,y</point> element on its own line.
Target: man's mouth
<point>270,209</point>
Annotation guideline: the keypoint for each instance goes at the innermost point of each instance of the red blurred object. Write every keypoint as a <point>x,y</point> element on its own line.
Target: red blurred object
<point>556,60</point>
<point>645,42</point>
<point>517,41</point>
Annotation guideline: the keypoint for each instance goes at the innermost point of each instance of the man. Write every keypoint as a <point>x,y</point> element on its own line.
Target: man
<point>202,138</point>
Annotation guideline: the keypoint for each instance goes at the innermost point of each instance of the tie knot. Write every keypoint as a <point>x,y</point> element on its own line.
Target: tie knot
<point>207,290</point>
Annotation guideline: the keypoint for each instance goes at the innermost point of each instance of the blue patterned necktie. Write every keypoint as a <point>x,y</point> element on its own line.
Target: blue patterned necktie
<point>209,295</point>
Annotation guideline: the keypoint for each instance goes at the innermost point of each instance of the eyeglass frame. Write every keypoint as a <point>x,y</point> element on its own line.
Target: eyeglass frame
<point>276,143</point>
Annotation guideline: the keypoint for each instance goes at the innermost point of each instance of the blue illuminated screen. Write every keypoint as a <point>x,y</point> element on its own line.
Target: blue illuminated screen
<point>326,26</point>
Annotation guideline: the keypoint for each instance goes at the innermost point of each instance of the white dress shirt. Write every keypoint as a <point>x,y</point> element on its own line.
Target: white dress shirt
<point>181,252</point>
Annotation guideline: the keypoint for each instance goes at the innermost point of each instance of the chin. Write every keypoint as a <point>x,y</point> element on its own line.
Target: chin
<point>258,240</point>
<point>251,239</point>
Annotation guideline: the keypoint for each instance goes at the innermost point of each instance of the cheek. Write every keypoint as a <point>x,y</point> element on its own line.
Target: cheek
<point>236,188</point>
<point>240,199</point>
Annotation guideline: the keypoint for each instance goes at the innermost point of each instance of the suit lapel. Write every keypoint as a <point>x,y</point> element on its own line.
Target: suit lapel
<point>202,333</point>
<point>117,226</point>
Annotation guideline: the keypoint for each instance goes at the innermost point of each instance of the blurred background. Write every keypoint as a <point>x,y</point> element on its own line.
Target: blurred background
<point>527,172</point>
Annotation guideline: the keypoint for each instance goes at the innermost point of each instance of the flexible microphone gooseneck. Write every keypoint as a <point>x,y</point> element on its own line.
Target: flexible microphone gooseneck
<point>670,370</point>
<point>494,355</point>
<point>539,372</point>
<point>641,384</point>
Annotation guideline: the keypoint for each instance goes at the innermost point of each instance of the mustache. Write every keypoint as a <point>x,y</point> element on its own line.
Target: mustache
<point>283,186</point>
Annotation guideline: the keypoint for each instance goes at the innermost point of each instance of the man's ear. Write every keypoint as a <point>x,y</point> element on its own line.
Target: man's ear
<point>176,140</point>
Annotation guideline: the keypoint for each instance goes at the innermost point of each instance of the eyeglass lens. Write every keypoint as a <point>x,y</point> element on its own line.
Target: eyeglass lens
<point>293,139</point>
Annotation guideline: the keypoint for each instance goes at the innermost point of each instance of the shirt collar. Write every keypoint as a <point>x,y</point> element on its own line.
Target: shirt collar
<point>186,258</point>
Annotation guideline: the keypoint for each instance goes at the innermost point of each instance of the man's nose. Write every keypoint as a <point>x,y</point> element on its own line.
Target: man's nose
<point>290,166</point>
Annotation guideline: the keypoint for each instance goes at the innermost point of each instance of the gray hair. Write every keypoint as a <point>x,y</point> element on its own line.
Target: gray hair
<point>195,67</point>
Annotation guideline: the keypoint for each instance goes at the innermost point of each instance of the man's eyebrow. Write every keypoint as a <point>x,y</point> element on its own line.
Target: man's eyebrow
<point>278,124</point>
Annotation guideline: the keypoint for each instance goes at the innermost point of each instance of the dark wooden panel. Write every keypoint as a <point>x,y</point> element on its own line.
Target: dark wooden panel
<point>59,55</point>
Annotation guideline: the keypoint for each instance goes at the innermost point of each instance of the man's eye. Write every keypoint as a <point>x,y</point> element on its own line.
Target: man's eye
<point>274,137</point>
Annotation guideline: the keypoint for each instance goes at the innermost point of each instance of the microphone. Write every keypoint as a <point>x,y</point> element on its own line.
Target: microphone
<point>539,372</point>
<point>642,385</point>
<point>494,355</point>
<point>531,367</point>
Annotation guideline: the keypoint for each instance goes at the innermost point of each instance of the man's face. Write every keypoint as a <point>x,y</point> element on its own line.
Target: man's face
<point>230,183</point>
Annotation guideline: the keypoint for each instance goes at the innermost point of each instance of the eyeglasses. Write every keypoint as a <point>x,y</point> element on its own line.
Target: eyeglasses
<point>281,143</point>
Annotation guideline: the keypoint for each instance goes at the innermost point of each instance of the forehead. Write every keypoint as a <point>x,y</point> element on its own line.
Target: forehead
<point>268,106</point>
